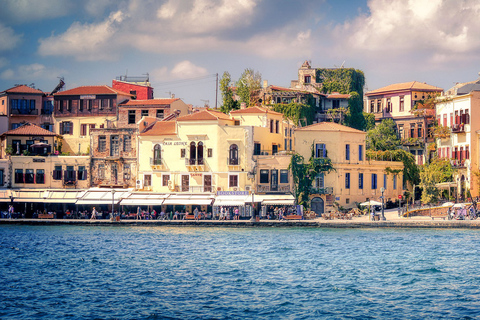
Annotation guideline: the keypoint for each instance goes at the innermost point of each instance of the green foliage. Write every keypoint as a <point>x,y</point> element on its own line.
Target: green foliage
<point>383,137</point>
<point>26,152</point>
<point>346,81</point>
<point>369,120</point>
<point>305,173</point>
<point>411,173</point>
<point>248,85</point>
<point>437,171</point>
<point>9,150</point>
<point>227,94</point>
<point>297,112</point>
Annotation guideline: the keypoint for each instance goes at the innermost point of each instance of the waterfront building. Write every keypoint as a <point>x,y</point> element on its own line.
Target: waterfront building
<point>114,157</point>
<point>138,87</point>
<point>458,117</point>
<point>19,105</point>
<point>403,102</point>
<point>131,111</point>
<point>209,154</point>
<point>356,179</point>
<point>83,108</point>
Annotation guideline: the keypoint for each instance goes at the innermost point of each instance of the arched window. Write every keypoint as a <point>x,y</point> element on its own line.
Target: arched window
<point>233,155</point>
<point>157,155</point>
<point>193,153</point>
<point>200,153</point>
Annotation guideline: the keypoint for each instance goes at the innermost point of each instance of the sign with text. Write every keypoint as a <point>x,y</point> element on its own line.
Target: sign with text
<point>88,97</point>
<point>232,193</point>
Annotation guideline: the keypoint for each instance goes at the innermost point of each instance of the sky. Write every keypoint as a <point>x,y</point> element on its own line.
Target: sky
<point>183,44</point>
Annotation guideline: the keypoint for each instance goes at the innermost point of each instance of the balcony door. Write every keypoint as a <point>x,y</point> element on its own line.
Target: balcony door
<point>185,183</point>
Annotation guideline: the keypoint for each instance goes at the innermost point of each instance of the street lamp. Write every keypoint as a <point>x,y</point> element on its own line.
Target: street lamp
<point>382,189</point>
<point>113,204</point>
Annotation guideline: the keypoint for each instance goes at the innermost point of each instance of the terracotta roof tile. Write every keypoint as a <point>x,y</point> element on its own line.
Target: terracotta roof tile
<point>29,129</point>
<point>254,110</point>
<point>412,85</point>
<point>23,89</point>
<point>148,102</point>
<point>336,95</point>
<point>204,116</point>
<point>328,126</point>
<point>161,128</point>
<point>84,90</point>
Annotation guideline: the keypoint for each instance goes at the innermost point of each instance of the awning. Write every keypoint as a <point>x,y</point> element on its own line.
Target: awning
<point>227,200</point>
<point>275,199</point>
<point>29,195</point>
<point>63,196</point>
<point>5,195</point>
<point>180,199</point>
<point>144,199</point>
<point>103,196</point>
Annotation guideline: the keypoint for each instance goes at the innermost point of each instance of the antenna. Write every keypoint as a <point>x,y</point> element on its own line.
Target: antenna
<point>206,102</point>
<point>169,93</point>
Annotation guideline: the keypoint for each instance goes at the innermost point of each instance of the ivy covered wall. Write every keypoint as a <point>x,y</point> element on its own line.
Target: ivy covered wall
<point>346,81</point>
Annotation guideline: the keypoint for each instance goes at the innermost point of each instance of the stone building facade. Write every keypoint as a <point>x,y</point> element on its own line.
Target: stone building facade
<point>114,157</point>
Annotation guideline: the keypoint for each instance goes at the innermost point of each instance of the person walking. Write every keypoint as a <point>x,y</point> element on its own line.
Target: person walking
<point>139,213</point>
<point>10,211</point>
<point>195,214</point>
<point>94,214</point>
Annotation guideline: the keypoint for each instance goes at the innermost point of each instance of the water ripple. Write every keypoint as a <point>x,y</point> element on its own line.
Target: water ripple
<point>83,272</point>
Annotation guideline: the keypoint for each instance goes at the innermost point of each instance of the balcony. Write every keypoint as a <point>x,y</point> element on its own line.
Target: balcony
<point>458,128</point>
<point>23,112</point>
<point>157,164</point>
<point>267,188</point>
<point>326,190</point>
<point>233,164</point>
<point>194,164</point>
<point>458,164</point>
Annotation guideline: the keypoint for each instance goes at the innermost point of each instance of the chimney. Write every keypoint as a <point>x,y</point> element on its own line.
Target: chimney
<point>265,83</point>
<point>173,95</point>
<point>243,105</point>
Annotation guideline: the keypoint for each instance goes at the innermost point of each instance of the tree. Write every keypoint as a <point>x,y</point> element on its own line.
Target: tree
<point>437,171</point>
<point>301,114</point>
<point>227,94</point>
<point>248,86</point>
<point>369,120</point>
<point>383,137</point>
<point>346,81</point>
<point>305,173</point>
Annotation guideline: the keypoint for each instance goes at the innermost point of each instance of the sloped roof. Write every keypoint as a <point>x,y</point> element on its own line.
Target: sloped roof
<point>281,88</point>
<point>336,95</point>
<point>328,126</point>
<point>148,102</point>
<point>160,128</point>
<point>23,89</point>
<point>205,115</point>
<point>84,90</point>
<point>29,129</point>
<point>255,109</point>
<point>405,86</point>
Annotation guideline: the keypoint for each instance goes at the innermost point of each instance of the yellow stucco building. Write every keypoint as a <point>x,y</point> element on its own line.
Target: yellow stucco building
<point>355,179</point>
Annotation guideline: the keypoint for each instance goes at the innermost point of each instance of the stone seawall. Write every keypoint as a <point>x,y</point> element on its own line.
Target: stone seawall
<point>318,223</point>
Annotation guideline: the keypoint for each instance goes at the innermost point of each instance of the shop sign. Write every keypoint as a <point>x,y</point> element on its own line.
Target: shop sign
<point>232,193</point>
<point>38,160</point>
<point>176,143</point>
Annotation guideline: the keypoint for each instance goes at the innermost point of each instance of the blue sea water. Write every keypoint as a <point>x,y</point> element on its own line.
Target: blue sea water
<point>93,272</point>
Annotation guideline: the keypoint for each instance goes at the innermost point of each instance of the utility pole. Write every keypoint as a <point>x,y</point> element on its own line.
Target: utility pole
<point>216,92</point>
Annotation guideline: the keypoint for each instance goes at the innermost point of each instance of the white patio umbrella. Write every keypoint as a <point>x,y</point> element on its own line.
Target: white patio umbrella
<point>371,203</point>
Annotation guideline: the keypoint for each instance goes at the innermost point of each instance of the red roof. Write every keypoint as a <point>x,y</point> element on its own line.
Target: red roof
<point>405,86</point>
<point>328,126</point>
<point>336,95</point>
<point>148,102</point>
<point>205,115</point>
<point>29,129</point>
<point>160,128</point>
<point>254,110</point>
<point>23,89</point>
<point>85,90</point>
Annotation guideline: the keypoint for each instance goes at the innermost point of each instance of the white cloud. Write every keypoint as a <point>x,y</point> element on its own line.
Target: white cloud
<point>3,62</point>
<point>85,42</point>
<point>397,27</point>
<point>204,16</point>
<point>20,11</point>
<point>8,38</point>
<point>31,72</point>
<point>182,70</point>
